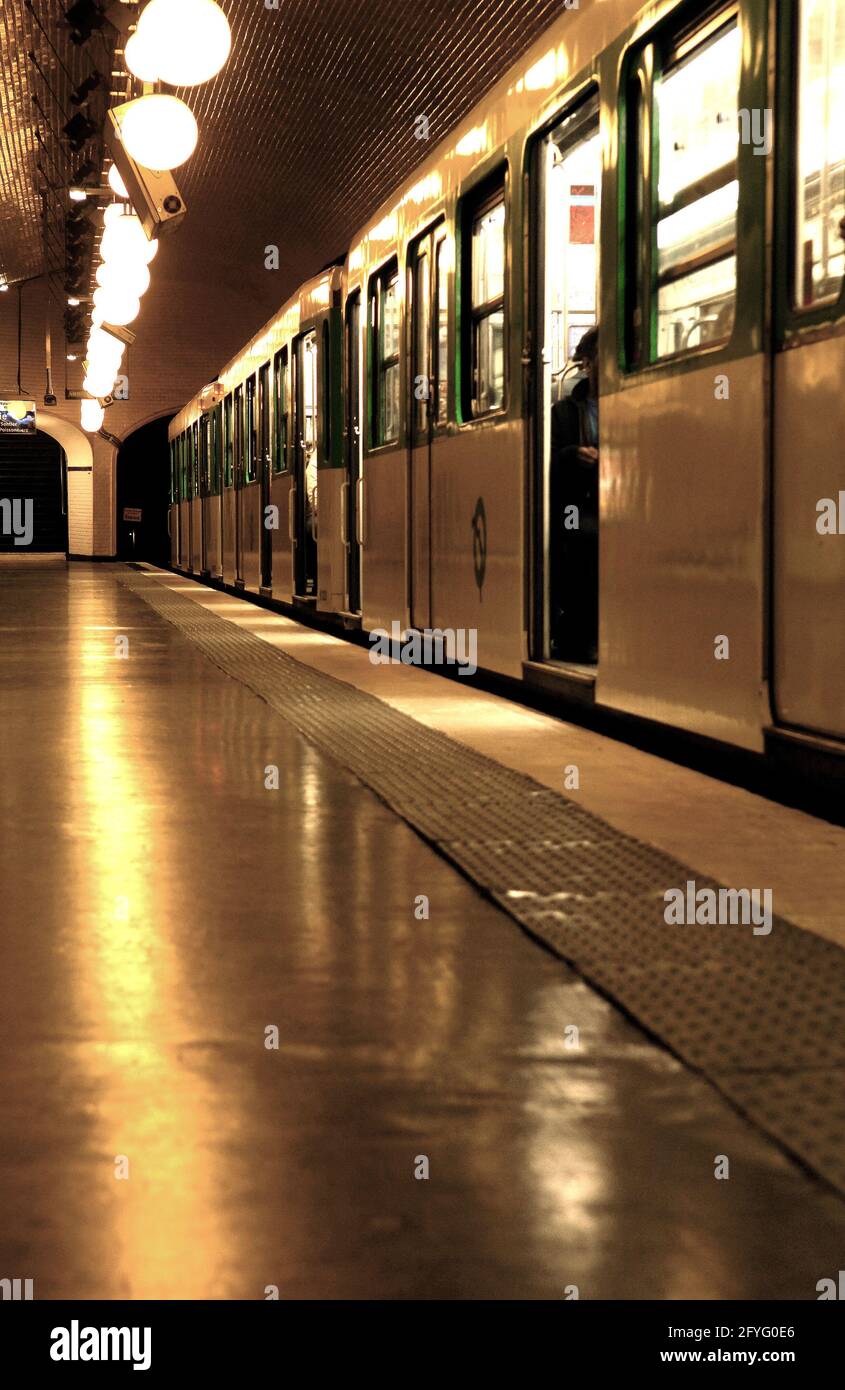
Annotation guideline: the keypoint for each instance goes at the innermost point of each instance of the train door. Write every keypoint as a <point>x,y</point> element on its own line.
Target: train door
<point>350,514</point>
<point>203,499</point>
<point>237,477</point>
<point>196,500</point>
<point>173,514</point>
<point>249,495</point>
<point>282,492</point>
<point>265,544</point>
<point>566,191</point>
<point>228,500</point>
<point>426,405</point>
<point>808,551</point>
<point>185,498</point>
<point>304,509</point>
<point>212,518</point>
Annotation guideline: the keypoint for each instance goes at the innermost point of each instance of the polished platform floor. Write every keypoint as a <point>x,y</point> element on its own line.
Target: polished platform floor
<point>163,909</point>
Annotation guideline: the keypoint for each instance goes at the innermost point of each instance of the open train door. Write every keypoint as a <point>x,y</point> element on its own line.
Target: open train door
<point>808,543</point>
<point>303,499</point>
<point>281,480</point>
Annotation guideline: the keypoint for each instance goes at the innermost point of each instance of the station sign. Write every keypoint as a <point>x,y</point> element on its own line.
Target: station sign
<point>131,513</point>
<point>17,417</point>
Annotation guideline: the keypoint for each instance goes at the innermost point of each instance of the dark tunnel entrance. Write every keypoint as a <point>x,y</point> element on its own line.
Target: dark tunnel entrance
<point>33,494</point>
<point>143,482</point>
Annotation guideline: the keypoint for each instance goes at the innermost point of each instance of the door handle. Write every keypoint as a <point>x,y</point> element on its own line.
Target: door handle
<point>344,514</point>
<point>291,498</point>
<point>360,519</point>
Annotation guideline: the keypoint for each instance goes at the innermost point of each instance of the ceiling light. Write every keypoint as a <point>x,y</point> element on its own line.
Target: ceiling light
<point>116,183</point>
<point>140,55</point>
<point>71,357</point>
<point>116,304</point>
<point>158,131</point>
<point>77,195</point>
<point>91,415</point>
<point>73,301</point>
<point>124,241</point>
<point>191,39</point>
<point>132,276</point>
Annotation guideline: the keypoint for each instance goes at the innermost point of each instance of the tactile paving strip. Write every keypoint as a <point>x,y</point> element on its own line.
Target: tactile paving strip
<point>761,1016</point>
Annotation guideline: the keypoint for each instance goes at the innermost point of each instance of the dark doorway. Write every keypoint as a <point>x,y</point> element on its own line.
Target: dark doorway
<point>33,494</point>
<point>143,487</point>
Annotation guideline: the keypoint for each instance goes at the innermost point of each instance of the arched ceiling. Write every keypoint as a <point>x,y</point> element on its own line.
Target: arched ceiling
<point>306,130</point>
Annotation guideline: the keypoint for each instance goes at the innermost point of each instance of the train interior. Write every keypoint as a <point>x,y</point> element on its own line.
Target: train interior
<point>572,172</point>
<point>306,482</point>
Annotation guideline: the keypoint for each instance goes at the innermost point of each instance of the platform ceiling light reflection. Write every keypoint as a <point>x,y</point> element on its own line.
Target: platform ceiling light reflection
<point>131,981</point>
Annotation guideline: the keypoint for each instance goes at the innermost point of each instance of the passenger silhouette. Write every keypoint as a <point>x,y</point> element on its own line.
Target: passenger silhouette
<point>574,513</point>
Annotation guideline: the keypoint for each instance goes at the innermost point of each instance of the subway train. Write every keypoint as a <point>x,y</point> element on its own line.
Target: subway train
<point>383,450</point>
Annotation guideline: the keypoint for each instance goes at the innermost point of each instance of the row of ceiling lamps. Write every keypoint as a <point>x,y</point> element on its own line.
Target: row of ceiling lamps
<point>182,43</point>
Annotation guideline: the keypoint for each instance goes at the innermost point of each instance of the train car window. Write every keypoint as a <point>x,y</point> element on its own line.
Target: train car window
<point>384,357</point>
<point>696,129</point>
<point>183,467</point>
<point>228,444</point>
<point>238,435</point>
<point>326,383</point>
<point>488,306</point>
<point>203,457</point>
<point>195,460</point>
<point>820,156</point>
<point>250,441</point>
<point>280,411</point>
<point>441,342</point>
<point>172,471</point>
<point>423,367</point>
<point>215,452</point>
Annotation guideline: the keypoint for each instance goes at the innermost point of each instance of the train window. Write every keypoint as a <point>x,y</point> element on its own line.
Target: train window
<point>195,460</point>
<point>183,467</point>
<point>820,159</point>
<point>204,488</point>
<point>697,192</point>
<point>326,413</point>
<point>487,314</point>
<point>238,435</point>
<point>172,471</point>
<point>280,411</point>
<point>215,452</point>
<point>228,443</point>
<point>422,339</point>
<point>441,365</point>
<point>384,356</point>
<point>250,449</point>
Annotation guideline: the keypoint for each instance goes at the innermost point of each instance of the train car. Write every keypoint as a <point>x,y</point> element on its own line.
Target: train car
<point>675,175</point>
<point>256,463</point>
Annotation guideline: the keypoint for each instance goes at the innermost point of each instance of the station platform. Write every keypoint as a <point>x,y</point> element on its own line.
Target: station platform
<point>280,924</point>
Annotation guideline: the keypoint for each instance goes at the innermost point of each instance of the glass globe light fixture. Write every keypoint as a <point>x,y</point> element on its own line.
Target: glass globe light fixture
<point>118,307</point>
<point>91,415</point>
<point>116,183</point>
<point>131,276</point>
<point>191,39</point>
<point>140,55</point>
<point>124,242</point>
<point>159,131</point>
<point>99,381</point>
<point>112,211</point>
